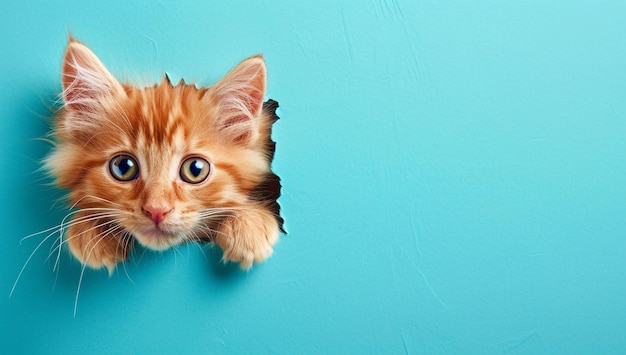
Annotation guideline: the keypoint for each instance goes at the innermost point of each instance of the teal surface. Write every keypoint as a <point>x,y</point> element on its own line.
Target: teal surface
<point>454,180</point>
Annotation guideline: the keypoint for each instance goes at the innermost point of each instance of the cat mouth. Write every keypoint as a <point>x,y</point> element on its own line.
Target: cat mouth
<point>156,237</point>
<point>156,232</point>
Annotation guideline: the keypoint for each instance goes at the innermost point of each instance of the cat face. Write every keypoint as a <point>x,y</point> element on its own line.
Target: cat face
<point>164,164</point>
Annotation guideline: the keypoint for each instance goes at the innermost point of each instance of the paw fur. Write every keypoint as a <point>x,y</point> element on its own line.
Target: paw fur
<point>97,244</point>
<point>248,237</point>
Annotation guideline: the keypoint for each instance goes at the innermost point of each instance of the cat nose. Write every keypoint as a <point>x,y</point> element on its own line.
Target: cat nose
<point>156,213</point>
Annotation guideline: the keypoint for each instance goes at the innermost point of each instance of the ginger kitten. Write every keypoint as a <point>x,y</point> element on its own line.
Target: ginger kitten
<point>165,165</point>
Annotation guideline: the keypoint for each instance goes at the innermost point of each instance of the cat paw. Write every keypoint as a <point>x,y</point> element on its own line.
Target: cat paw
<point>97,244</point>
<point>248,237</point>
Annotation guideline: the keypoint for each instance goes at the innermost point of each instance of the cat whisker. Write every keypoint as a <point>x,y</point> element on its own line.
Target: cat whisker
<point>207,213</point>
<point>126,239</point>
<point>143,254</point>
<point>61,241</point>
<point>176,251</point>
<point>198,240</point>
<point>80,220</point>
<point>212,231</point>
<point>28,261</point>
<point>62,225</point>
<point>192,236</point>
<point>109,222</point>
<point>97,199</point>
<point>215,217</point>
<point>101,236</point>
<point>254,208</point>
<point>56,229</point>
<point>84,219</point>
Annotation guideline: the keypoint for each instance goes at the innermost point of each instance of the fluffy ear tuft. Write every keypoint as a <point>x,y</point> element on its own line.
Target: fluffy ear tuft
<point>239,99</point>
<point>85,79</point>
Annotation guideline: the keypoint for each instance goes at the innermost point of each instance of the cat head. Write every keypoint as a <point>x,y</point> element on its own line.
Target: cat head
<point>162,163</point>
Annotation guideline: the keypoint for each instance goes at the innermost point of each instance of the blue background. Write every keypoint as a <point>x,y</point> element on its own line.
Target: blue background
<point>454,180</point>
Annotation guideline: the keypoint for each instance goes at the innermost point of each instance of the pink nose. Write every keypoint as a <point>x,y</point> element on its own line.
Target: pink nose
<point>156,214</point>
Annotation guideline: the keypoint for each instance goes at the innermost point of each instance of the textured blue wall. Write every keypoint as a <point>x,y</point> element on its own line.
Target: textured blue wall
<point>455,180</point>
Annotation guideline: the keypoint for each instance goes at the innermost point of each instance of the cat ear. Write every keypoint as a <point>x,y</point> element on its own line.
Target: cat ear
<point>85,79</point>
<point>239,99</point>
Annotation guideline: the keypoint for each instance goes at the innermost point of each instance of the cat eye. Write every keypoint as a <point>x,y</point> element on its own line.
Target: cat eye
<point>124,167</point>
<point>194,170</point>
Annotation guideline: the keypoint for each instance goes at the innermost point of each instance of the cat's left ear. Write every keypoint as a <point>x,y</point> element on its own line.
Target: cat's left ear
<point>86,81</point>
<point>239,100</point>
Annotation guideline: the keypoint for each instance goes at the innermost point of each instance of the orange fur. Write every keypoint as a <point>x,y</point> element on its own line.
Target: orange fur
<point>161,126</point>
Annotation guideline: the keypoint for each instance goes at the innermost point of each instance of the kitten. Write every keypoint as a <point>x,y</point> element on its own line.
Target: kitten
<point>165,165</point>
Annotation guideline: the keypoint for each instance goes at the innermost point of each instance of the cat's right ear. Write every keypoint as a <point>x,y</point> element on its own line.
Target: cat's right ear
<point>238,97</point>
<point>86,81</point>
